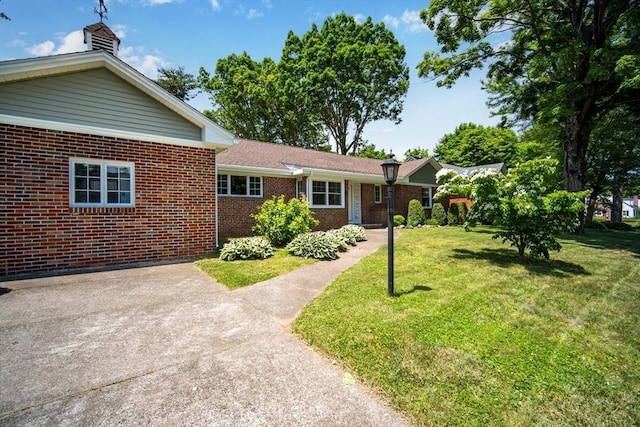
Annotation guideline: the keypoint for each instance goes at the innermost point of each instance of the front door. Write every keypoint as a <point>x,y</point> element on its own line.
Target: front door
<point>355,203</point>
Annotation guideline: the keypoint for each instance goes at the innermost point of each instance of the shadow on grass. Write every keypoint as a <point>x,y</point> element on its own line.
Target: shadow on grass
<point>417,288</point>
<point>607,239</point>
<point>506,258</point>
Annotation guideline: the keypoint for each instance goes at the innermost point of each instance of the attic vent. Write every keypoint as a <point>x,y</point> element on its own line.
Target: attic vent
<point>98,43</point>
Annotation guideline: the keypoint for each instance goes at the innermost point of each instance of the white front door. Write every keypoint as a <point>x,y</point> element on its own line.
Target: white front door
<point>355,203</point>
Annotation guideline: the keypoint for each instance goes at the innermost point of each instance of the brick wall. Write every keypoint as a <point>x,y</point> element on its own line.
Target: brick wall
<point>173,215</point>
<point>234,213</point>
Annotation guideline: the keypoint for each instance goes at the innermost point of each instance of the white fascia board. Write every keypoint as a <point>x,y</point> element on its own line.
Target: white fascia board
<point>249,170</point>
<point>351,176</point>
<point>23,69</point>
<point>112,133</point>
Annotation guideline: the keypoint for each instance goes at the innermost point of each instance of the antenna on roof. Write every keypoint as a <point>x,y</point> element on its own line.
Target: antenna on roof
<point>102,13</point>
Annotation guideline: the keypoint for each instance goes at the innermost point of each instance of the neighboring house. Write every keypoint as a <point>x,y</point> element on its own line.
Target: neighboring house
<point>630,208</point>
<point>340,189</point>
<point>465,171</point>
<point>99,165</point>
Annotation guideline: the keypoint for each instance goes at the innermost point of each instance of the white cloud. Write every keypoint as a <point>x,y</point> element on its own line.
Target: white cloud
<point>391,21</point>
<point>19,43</point>
<point>412,19</point>
<point>146,64</point>
<point>215,4</point>
<point>253,13</point>
<point>267,4</point>
<point>72,42</point>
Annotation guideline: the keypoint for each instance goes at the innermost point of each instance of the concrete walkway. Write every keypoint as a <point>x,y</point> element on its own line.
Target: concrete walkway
<point>166,345</point>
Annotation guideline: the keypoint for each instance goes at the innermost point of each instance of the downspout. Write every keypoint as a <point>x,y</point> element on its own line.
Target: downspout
<point>216,191</point>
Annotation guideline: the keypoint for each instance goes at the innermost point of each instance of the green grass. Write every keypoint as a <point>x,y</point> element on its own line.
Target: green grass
<point>475,338</point>
<point>235,274</point>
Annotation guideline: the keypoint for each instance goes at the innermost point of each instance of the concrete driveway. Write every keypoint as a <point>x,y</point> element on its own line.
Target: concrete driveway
<point>166,345</point>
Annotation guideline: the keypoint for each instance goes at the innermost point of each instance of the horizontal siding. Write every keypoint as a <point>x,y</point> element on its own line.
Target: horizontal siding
<point>94,98</point>
<point>425,175</point>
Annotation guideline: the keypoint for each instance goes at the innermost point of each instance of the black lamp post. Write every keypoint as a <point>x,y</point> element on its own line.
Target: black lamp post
<point>390,169</point>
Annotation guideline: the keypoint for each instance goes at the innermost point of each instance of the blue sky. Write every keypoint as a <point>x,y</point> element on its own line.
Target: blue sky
<point>195,33</point>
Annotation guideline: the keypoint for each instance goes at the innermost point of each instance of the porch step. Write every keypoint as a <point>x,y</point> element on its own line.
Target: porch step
<point>371,226</point>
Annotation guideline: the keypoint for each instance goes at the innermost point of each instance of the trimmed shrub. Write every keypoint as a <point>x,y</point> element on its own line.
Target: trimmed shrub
<point>281,222</point>
<point>246,248</point>
<point>453,217</point>
<point>438,213</point>
<point>318,245</point>
<point>398,220</point>
<point>462,212</point>
<point>431,221</point>
<point>416,213</point>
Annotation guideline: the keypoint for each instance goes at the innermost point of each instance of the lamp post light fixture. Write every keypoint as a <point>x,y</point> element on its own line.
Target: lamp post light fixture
<point>390,170</point>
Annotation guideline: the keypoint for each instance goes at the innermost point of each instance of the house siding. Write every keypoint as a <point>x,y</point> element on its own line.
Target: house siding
<point>73,98</point>
<point>173,217</point>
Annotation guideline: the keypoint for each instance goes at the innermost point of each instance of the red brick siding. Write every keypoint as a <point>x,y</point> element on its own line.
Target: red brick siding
<point>234,213</point>
<point>173,215</point>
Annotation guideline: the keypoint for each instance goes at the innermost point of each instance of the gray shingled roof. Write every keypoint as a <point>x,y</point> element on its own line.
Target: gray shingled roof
<point>465,170</point>
<point>255,154</point>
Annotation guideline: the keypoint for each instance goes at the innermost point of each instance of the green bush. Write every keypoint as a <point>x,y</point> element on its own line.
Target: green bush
<point>281,222</point>
<point>596,224</point>
<point>453,217</point>
<point>246,248</point>
<point>431,221</point>
<point>619,226</point>
<point>398,220</point>
<point>318,245</point>
<point>462,212</point>
<point>438,213</point>
<point>416,213</point>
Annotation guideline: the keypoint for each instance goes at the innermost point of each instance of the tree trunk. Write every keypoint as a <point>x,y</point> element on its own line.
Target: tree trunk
<point>575,153</point>
<point>593,199</point>
<point>616,205</point>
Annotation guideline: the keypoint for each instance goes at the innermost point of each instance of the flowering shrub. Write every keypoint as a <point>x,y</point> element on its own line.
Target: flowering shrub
<point>523,203</point>
<point>246,248</point>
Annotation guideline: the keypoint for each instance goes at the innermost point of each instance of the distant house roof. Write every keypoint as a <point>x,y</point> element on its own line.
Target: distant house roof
<point>288,160</point>
<point>466,170</point>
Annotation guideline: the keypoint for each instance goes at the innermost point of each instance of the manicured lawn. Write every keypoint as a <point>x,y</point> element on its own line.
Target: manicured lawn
<point>235,274</point>
<point>474,338</point>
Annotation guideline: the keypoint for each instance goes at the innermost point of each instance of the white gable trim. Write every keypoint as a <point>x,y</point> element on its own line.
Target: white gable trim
<point>112,133</point>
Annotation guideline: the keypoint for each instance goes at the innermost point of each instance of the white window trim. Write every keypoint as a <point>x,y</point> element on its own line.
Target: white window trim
<point>228,194</point>
<point>379,187</point>
<point>430,205</point>
<point>327,206</point>
<point>103,183</point>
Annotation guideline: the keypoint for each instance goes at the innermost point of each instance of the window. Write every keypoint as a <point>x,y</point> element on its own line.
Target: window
<point>238,185</point>
<point>626,214</point>
<point>300,193</point>
<point>327,194</point>
<point>598,212</point>
<point>100,183</point>
<point>377,194</point>
<point>427,196</point>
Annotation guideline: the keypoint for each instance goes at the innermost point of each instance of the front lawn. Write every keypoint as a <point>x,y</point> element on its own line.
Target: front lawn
<point>475,338</point>
<point>235,274</point>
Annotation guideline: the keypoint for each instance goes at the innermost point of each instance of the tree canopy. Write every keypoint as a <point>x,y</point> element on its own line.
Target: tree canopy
<point>331,81</point>
<point>566,62</point>
<point>471,145</point>
<point>180,83</point>
<point>416,153</point>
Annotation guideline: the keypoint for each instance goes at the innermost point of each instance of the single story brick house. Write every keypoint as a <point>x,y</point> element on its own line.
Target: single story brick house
<point>340,189</point>
<point>99,165</point>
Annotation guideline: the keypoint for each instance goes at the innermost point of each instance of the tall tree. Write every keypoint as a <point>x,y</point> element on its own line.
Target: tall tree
<point>370,151</point>
<point>416,153</point>
<point>180,83</point>
<point>562,63</point>
<point>471,145</point>
<point>352,73</point>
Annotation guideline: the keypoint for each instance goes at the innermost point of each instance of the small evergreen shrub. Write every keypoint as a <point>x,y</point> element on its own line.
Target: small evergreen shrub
<point>246,248</point>
<point>318,245</point>
<point>416,213</point>
<point>438,213</point>
<point>453,217</point>
<point>398,220</point>
<point>462,212</point>
<point>431,221</point>
<point>280,222</point>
